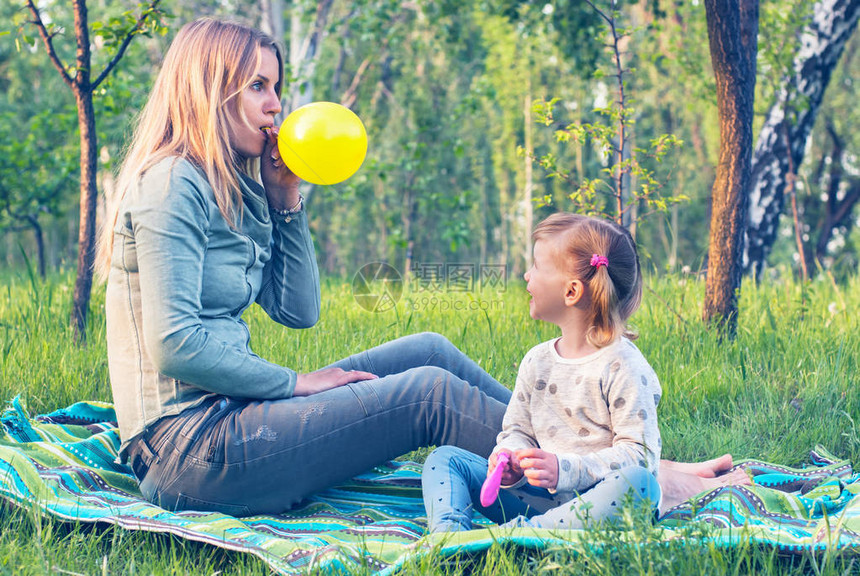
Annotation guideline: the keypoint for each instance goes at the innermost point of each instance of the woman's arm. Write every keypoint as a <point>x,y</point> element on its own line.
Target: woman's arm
<point>290,293</point>
<point>170,222</point>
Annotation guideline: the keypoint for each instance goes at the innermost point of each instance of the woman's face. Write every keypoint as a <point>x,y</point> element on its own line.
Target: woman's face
<point>259,103</point>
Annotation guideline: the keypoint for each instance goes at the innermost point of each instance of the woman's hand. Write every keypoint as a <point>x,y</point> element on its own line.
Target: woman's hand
<point>540,467</point>
<point>282,186</point>
<point>512,473</point>
<point>326,379</point>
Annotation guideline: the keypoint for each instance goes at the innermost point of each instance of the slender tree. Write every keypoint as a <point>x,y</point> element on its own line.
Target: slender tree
<point>305,48</point>
<point>80,78</point>
<point>835,193</point>
<point>732,35</point>
<point>782,141</point>
<point>272,18</point>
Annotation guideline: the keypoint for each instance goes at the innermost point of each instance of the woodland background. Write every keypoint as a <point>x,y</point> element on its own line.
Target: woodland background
<point>464,157</point>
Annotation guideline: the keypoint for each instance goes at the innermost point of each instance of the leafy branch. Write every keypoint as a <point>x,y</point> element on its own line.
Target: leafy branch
<point>116,32</point>
<point>606,194</point>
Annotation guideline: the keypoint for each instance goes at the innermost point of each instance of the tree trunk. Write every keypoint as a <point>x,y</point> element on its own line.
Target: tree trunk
<point>842,194</point>
<point>824,38</point>
<point>39,236</point>
<point>89,191</point>
<point>798,223</point>
<point>528,188</point>
<point>732,33</point>
<point>272,18</point>
<point>305,44</point>
<point>407,218</point>
<point>83,86</point>
<point>87,228</point>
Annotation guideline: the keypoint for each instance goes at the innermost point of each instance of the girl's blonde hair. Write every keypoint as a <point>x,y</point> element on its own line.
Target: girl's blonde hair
<point>616,289</point>
<point>208,65</point>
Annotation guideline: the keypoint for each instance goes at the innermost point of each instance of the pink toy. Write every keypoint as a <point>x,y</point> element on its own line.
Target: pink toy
<point>490,489</point>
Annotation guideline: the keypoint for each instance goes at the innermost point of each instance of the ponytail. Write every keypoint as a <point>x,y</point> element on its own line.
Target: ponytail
<point>606,322</point>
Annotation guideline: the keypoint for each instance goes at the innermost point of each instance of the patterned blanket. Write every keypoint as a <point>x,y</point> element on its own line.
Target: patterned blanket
<point>64,464</point>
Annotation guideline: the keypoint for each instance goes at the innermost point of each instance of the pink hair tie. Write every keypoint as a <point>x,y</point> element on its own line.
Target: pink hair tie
<point>598,261</point>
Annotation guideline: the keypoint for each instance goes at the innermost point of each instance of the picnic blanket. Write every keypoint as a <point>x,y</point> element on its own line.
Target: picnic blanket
<point>63,464</point>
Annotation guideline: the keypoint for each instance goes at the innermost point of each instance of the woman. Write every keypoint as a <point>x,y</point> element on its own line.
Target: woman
<point>208,222</point>
<point>205,422</point>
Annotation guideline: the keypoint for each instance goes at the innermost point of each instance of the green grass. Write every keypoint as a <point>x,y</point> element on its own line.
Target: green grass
<point>787,382</point>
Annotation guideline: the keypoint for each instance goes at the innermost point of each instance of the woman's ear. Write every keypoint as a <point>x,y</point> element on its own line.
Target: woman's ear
<point>575,292</point>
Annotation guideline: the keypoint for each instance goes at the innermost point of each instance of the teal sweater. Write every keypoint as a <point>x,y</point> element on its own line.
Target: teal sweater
<point>179,282</point>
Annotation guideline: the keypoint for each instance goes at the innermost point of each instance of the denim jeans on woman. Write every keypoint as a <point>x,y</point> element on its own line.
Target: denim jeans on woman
<point>249,457</point>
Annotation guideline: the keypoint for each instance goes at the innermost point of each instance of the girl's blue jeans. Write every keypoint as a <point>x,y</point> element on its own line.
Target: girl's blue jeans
<point>248,457</point>
<point>452,480</point>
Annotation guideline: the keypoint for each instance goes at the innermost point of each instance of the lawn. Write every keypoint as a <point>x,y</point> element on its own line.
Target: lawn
<point>786,383</point>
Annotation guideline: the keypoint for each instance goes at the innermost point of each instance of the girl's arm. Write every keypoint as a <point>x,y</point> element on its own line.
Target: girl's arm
<point>517,430</point>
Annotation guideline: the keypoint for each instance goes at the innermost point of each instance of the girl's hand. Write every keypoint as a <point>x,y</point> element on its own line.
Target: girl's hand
<point>328,378</point>
<point>540,467</point>
<point>282,186</point>
<point>512,472</point>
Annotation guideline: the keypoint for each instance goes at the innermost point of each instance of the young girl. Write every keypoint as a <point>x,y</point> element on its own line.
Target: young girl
<point>581,429</point>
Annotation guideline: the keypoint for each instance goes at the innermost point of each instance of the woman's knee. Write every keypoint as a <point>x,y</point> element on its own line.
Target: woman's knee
<point>433,378</point>
<point>441,387</point>
<point>433,343</point>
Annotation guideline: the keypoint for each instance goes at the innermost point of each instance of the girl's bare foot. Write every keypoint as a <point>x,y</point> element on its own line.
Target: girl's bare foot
<point>678,486</point>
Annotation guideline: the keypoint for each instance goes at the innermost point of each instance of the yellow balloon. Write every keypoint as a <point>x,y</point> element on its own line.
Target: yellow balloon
<point>323,142</point>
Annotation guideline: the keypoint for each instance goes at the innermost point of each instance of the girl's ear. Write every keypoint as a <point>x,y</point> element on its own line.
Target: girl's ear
<point>575,292</point>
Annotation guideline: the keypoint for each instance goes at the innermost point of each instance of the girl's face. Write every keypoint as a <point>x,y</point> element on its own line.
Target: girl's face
<point>258,103</point>
<point>547,283</point>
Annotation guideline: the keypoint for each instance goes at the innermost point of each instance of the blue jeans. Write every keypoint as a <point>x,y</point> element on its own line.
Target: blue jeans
<point>452,480</point>
<point>250,457</point>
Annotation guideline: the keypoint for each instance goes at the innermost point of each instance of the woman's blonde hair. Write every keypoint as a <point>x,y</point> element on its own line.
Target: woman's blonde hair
<point>616,288</point>
<point>208,65</point>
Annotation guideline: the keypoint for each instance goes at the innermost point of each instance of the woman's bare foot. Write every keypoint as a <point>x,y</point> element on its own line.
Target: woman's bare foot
<point>678,486</point>
<point>707,469</point>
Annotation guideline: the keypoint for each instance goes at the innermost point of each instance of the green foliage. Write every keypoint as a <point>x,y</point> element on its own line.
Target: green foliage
<point>38,169</point>
<point>421,185</point>
<point>610,194</point>
<point>40,138</point>
<point>147,20</point>
<point>588,198</point>
<point>569,25</point>
<point>441,88</point>
<point>781,24</point>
